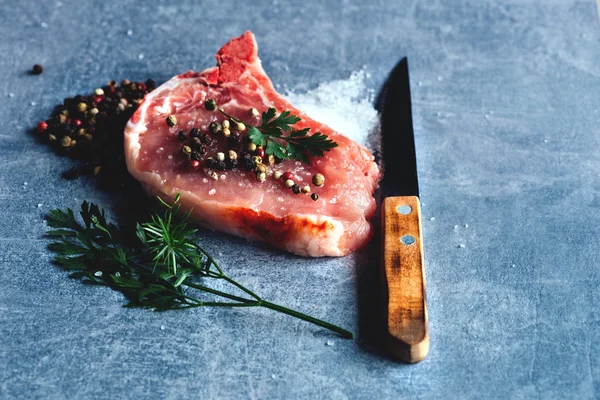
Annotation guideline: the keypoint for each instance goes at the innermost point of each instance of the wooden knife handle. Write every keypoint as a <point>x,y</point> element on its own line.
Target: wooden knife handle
<point>405,275</point>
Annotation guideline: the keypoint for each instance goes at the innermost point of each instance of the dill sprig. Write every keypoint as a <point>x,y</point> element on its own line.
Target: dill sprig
<point>163,268</point>
<point>279,139</point>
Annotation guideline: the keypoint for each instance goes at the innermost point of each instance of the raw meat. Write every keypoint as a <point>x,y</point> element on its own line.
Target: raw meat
<point>236,203</point>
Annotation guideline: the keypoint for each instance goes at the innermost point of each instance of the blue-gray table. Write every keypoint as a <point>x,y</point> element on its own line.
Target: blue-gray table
<point>507,116</point>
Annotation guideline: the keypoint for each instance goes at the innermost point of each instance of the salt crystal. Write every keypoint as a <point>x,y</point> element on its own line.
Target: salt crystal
<point>273,376</point>
<point>141,56</point>
<point>342,104</point>
<point>40,205</point>
<point>129,32</point>
<point>466,225</point>
<point>44,25</point>
<point>330,343</point>
<point>455,226</point>
<point>514,266</point>
<point>33,103</point>
<point>98,273</point>
<point>432,219</point>
<point>25,183</point>
<point>545,140</point>
<point>205,180</point>
<point>117,274</point>
<point>420,83</point>
<point>212,191</point>
<point>11,95</point>
<point>170,157</point>
<point>223,177</point>
<point>439,78</point>
<point>162,327</point>
<point>462,245</point>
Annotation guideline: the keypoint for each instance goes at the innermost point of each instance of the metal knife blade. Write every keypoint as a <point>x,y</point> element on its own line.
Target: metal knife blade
<point>398,139</point>
<point>407,321</point>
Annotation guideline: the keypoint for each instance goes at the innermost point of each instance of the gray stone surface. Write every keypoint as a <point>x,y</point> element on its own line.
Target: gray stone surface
<point>506,116</point>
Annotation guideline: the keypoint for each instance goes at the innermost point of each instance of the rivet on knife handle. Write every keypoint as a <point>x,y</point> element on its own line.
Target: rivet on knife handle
<point>408,335</point>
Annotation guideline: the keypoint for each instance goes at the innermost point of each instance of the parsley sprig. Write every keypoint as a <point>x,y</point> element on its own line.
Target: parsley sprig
<point>279,139</point>
<point>163,268</point>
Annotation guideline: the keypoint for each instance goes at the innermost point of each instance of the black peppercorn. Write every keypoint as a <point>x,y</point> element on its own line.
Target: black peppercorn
<point>314,196</point>
<point>232,163</point>
<point>221,165</point>
<point>195,156</point>
<point>194,133</point>
<point>249,163</point>
<point>196,143</point>
<point>150,84</point>
<point>204,138</point>
<point>182,136</point>
<point>37,69</point>
<point>296,189</point>
<point>211,162</point>
<point>234,139</point>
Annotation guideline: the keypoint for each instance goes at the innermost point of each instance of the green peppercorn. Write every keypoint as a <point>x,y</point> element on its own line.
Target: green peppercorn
<point>65,141</point>
<point>187,150</point>
<point>314,196</point>
<point>171,120</point>
<point>238,126</point>
<point>210,104</point>
<point>251,146</point>
<point>226,124</point>
<point>81,107</point>
<point>226,132</point>
<point>215,128</point>
<point>261,176</point>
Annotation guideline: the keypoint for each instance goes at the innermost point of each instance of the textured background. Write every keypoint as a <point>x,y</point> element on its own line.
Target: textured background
<point>506,115</point>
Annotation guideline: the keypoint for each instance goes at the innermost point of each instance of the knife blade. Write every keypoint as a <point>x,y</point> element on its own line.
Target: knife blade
<point>407,322</point>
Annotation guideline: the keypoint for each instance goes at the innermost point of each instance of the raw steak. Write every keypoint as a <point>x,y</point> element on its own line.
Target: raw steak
<point>236,203</point>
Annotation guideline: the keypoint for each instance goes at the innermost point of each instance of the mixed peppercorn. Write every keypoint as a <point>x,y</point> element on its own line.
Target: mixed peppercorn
<point>90,128</point>
<point>252,158</point>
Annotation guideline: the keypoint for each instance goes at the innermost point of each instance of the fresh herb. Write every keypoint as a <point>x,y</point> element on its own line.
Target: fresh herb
<point>163,268</point>
<point>279,139</point>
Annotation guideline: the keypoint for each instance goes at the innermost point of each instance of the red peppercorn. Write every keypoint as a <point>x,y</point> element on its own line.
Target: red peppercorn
<point>97,99</point>
<point>260,152</point>
<point>77,122</point>
<point>195,163</point>
<point>141,86</point>
<point>41,127</point>
<point>287,175</point>
<point>68,120</point>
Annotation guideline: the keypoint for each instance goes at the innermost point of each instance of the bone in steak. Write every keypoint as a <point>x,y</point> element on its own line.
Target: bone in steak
<point>236,203</point>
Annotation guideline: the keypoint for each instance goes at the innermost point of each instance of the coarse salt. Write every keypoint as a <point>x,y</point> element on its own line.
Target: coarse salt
<point>212,191</point>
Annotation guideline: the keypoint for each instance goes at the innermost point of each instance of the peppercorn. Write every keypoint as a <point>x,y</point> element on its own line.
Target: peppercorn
<point>287,175</point>
<point>121,107</point>
<point>257,159</point>
<point>253,112</point>
<point>51,137</point>
<point>261,168</point>
<point>235,138</point>
<point>62,118</point>
<point>220,156</point>
<point>182,136</point>
<point>204,138</point>
<point>41,127</point>
<point>125,82</point>
<point>232,155</point>
<point>187,150</point>
<point>194,133</point>
<point>81,107</point>
<point>306,189</point>
<point>271,159</point>
<point>89,136</point>
<point>171,120</point>
<point>210,105</point>
<point>296,189</point>
<point>93,111</point>
<point>318,179</point>
<point>195,163</point>
<point>251,146</point>
<point>238,126</point>
<point>150,84</point>
<point>277,175</point>
<point>226,124</point>
<point>196,143</point>
<point>214,176</point>
<point>99,92</point>
<point>226,132</point>
<point>221,165</point>
<point>232,163</point>
<point>215,128</point>
<point>289,183</point>
<point>249,163</point>
<point>80,132</point>
<point>195,156</point>
<point>261,176</point>
<point>65,141</point>
<point>314,196</point>
<point>77,122</point>
<point>37,69</point>
<point>211,162</point>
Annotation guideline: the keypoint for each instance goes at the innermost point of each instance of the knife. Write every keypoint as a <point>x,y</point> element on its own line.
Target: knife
<point>407,331</point>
